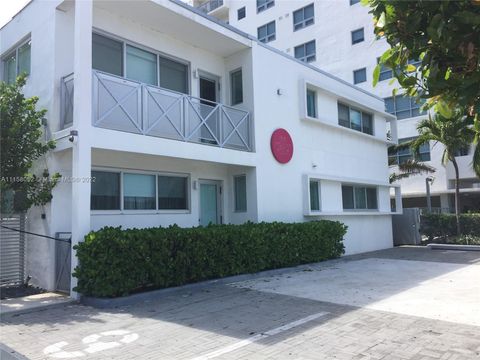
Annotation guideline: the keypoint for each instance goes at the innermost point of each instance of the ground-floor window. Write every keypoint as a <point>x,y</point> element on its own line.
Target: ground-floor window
<point>240,191</point>
<point>105,193</point>
<point>359,197</point>
<point>139,191</point>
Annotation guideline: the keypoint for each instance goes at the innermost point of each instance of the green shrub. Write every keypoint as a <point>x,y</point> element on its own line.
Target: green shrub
<point>115,262</point>
<point>444,225</point>
<point>464,240</point>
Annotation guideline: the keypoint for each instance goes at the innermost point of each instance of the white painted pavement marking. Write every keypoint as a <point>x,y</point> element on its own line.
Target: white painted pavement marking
<point>258,337</point>
<point>93,342</point>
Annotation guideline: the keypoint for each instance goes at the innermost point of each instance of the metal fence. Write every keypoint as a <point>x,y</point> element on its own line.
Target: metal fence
<point>12,249</point>
<point>131,106</point>
<point>66,104</point>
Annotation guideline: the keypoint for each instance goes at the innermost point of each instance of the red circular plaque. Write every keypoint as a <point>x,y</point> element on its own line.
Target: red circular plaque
<point>282,146</point>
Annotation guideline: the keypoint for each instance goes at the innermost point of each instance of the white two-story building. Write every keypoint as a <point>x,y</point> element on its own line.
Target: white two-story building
<point>164,116</point>
<point>338,37</point>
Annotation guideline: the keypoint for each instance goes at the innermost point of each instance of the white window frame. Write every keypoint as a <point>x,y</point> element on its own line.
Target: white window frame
<point>14,49</point>
<point>365,186</point>
<point>158,54</point>
<point>303,23</point>
<point>145,211</point>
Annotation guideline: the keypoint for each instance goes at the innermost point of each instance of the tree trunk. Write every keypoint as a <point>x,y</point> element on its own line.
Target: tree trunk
<point>457,196</point>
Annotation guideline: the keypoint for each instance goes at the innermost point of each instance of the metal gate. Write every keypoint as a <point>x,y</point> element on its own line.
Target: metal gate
<point>406,227</point>
<point>63,250</point>
<point>12,249</point>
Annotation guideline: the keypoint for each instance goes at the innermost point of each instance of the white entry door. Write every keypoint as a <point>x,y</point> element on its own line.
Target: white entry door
<point>210,202</point>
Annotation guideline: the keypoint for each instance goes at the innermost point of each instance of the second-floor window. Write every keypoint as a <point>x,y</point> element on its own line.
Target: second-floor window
<point>132,62</point>
<point>263,5</point>
<point>266,33</point>
<point>306,52</point>
<point>355,119</point>
<point>17,62</point>
<point>401,156</point>
<point>403,106</point>
<point>303,17</point>
<point>311,103</point>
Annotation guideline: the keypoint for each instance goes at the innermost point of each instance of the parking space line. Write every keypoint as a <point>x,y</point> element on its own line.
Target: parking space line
<point>258,337</point>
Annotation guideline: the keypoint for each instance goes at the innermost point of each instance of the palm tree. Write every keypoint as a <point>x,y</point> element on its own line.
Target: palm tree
<point>408,168</point>
<point>454,133</point>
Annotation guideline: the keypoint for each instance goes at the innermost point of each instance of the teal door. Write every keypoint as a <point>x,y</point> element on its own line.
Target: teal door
<point>209,203</point>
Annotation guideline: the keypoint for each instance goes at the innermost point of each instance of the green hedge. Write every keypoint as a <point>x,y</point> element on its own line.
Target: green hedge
<point>444,225</point>
<point>115,262</point>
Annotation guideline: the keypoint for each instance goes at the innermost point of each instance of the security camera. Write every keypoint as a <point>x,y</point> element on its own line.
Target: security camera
<point>73,133</point>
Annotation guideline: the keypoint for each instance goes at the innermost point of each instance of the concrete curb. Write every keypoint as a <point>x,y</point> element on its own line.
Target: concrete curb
<point>9,313</point>
<point>7,353</point>
<point>453,247</point>
<point>108,303</point>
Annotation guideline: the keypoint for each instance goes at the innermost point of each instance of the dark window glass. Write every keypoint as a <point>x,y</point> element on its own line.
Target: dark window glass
<point>240,189</point>
<point>353,2</point>
<point>404,107</point>
<point>347,197</point>
<point>306,52</point>
<point>360,76</point>
<point>173,75</point>
<point>372,198</point>
<point>263,5</point>
<point>107,55</point>
<point>314,196</point>
<point>367,123</point>
<point>236,87</point>
<point>311,103</point>
<point>266,33</point>
<point>241,13</point>
<point>303,17</point>
<point>355,119</point>
<point>172,193</point>
<point>358,36</point>
<point>105,191</point>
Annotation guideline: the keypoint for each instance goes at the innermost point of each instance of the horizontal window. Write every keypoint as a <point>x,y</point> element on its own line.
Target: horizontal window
<point>359,76</point>
<point>263,5</point>
<point>17,62</point>
<point>303,17</point>
<point>401,156</point>
<point>464,151</point>
<point>138,191</point>
<point>358,36</point>
<point>355,119</point>
<point>359,197</point>
<point>403,106</point>
<point>144,66</point>
<point>266,33</point>
<point>306,52</point>
<point>353,2</point>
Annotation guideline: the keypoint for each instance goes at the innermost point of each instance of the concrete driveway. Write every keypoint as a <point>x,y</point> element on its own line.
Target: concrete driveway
<point>403,303</point>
